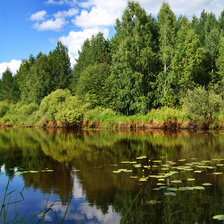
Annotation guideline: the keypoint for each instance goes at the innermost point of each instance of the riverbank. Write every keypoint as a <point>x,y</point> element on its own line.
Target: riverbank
<point>164,118</point>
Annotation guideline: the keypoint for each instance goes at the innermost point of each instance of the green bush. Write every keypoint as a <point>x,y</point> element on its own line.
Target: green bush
<point>62,106</point>
<point>202,105</point>
<point>4,107</point>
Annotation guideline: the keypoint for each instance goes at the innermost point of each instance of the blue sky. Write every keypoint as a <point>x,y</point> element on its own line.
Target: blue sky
<point>30,26</point>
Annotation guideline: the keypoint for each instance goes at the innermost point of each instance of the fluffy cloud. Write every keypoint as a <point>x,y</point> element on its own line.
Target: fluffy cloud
<point>38,16</point>
<point>13,65</point>
<point>61,2</point>
<point>71,12</point>
<point>51,24</point>
<point>75,40</point>
<point>102,13</point>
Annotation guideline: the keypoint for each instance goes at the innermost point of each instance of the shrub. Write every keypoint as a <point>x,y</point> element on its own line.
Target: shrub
<point>202,105</point>
<point>4,107</point>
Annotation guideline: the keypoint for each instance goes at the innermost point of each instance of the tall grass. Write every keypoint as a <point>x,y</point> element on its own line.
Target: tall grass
<point>17,218</point>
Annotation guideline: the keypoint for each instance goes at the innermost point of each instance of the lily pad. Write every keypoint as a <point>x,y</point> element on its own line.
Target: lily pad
<point>161,179</point>
<point>219,217</point>
<point>176,181</point>
<point>160,184</point>
<point>182,160</point>
<point>134,177</point>
<point>217,173</point>
<point>125,162</point>
<point>138,165</point>
<point>172,189</point>
<point>206,184</point>
<point>198,171</point>
<point>152,202</point>
<point>142,157</point>
<point>191,179</point>
<point>143,179</point>
<point>199,188</point>
<point>157,161</point>
<point>170,194</point>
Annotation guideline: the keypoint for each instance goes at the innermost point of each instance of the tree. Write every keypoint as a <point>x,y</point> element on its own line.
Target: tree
<point>94,51</point>
<point>92,83</point>
<point>23,79</point>
<point>220,65</point>
<point>167,27</point>
<point>133,62</point>
<point>6,93</point>
<point>60,67</point>
<point>187,70</point>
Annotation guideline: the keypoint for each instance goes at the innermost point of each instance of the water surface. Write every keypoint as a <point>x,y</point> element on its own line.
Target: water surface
<point>94,177</point>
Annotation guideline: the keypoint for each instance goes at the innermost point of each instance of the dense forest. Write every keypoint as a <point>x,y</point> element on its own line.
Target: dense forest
<point>150,63</point>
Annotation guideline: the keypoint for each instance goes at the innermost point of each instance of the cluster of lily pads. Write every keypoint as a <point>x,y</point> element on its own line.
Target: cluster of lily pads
<point>164,174</point>
<point>21,172</point>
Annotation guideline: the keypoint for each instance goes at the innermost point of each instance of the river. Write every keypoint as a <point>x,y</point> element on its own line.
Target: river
<point>111,177</point>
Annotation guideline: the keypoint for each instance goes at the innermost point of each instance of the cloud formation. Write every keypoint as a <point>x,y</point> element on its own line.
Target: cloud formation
<point>38,16</point>
<point>51,24</point>
<point>74,40</point>
<point>13,65</point>
<point>61,2</point>
<point>70,13</point>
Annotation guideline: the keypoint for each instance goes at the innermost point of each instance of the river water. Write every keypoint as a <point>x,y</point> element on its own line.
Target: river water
<point>111,177</point>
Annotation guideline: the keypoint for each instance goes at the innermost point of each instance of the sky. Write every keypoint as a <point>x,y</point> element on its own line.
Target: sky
<point>32,26</point>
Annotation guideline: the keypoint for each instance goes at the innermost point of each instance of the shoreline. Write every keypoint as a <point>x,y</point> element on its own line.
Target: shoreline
<point>122,125</point>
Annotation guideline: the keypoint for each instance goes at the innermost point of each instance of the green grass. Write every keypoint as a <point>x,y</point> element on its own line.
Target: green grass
<point>18,219</point>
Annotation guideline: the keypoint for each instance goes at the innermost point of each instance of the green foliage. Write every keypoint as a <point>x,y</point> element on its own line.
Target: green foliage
<point>94,51</point>
<point>62,106</point>
<point>202,105</point>
<point>166,114</point>
<point>6,91</point>
<point>4,106</point>
<point>60,67</point>
<point>92,82</point>
<point>149,63</point>
<point>133,62</point>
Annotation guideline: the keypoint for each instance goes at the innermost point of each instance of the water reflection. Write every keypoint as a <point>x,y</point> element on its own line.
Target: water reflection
<point>82,164</point>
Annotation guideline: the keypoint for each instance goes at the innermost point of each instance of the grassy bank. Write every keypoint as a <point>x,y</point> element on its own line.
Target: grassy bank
<point>61,109</point>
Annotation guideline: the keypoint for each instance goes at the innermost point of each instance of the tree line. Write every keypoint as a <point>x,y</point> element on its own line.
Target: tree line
<point>149,63</point>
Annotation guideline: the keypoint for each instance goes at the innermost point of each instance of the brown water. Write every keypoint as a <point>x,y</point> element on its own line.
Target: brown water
<point>110,177</point>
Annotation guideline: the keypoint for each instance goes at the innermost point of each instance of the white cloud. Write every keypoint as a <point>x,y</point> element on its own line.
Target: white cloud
<point>75,40</point>
<point>13,65</point>
<point>38,16</point>
<point>51,24</point>
<point>102,13</point>
<point>61,2</point>
<point>71,12</point>
<point>110,217</point>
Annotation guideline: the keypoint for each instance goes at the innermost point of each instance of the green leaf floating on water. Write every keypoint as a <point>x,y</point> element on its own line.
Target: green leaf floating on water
<point>143,179</point>
<point>122,170</point>
<point>152,202</point>
<point>18,173</point>
<point>33,171</point>
<point>206,184</point>
<point>198,171</point>
<point>142,157</point>
<point>172,189</point>
<point>138,165</point>
<point>199,188</point>
<point>217,173</point>
<point>219,217</point>
<point>170,194</point>
<point>176,181</point>
<point>191,179</point>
